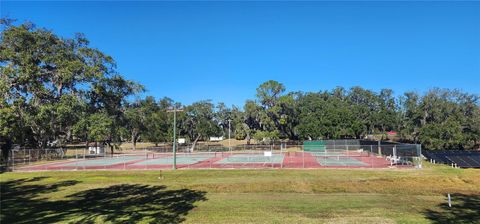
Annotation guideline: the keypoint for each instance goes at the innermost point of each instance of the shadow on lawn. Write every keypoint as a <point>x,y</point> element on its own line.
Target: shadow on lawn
<point>465,209</point>
<point>23,202</point>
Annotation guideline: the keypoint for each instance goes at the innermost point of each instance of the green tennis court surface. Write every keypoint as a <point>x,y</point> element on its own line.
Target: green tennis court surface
<point>106,161</point>
<point>246,158</point>
<point>340,161</point>
<point>325,153</point>
<point>185,160</point>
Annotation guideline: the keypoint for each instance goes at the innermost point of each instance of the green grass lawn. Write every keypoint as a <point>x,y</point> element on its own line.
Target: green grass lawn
<point>242,196</point>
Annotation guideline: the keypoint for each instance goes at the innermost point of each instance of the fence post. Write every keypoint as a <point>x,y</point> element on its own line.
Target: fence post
<point>124,162</point>
<point>105,164</point>
<point>371,155</point>
<point>395,155</point>
<point>13,159</point>
<point>271,160</point>
<point>146,155</point>
<point>282,155</point>
<point>419,154</point>
<point>303,158</point>
<point>379,149</point>
<point>83,158</point>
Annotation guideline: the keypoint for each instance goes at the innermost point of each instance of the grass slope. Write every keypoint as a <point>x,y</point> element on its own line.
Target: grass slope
<point>242,196</point>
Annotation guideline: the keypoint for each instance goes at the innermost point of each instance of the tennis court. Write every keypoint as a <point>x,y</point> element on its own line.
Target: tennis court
<point>251,158</point>
<point>105,161</point>
<point>340,161</point>
<point>218,160</point>
<point>315,154</point>
<point>169,161</point>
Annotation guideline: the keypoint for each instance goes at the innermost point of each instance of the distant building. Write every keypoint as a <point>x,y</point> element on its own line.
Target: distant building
<point>96,148</point>
<point>392,135</point>
<point>216,139</point>
<point>99,150</point>
<point>181,140</point>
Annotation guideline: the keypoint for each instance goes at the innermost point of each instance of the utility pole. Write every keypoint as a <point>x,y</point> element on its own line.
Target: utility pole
<point>174,110</point>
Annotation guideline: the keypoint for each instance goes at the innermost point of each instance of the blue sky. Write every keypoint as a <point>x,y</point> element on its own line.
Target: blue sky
<point>222,51</point>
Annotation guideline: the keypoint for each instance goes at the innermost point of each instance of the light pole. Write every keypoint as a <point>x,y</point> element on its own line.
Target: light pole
<point>229,146</point>
<point>174,110</point>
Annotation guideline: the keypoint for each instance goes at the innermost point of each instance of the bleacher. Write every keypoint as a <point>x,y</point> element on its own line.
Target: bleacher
<point>463,159</point>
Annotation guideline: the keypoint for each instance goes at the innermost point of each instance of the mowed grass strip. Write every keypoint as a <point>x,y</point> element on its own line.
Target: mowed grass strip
<point>243,196</point>
<point>311,208</point>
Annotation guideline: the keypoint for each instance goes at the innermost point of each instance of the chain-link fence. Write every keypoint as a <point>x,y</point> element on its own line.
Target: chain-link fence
<point>22,156</point>
<point>325,154</point>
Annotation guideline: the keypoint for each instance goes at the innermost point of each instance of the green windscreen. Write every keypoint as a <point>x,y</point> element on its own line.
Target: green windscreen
<point>314,145</point>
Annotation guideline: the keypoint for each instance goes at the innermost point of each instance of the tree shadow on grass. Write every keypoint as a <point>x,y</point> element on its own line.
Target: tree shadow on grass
<point>20,199</point>
<point>133,203</point>
<point>22,202</point>
<point>465,209</point>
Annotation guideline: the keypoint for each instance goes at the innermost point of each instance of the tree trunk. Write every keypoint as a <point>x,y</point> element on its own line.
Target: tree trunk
<point>292,135</point>
<point>60,89</point>
<point>43,146</point>
<point>423,122</point>
<point>111,148</point>
<point>194,143</point>
<point>86,145</point>
<point>134,142</point>
<point>6,148</point>
<point>69,136</point>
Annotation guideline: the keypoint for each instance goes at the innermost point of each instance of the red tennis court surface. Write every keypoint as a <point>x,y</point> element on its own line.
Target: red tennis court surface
<point>221,160</point>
